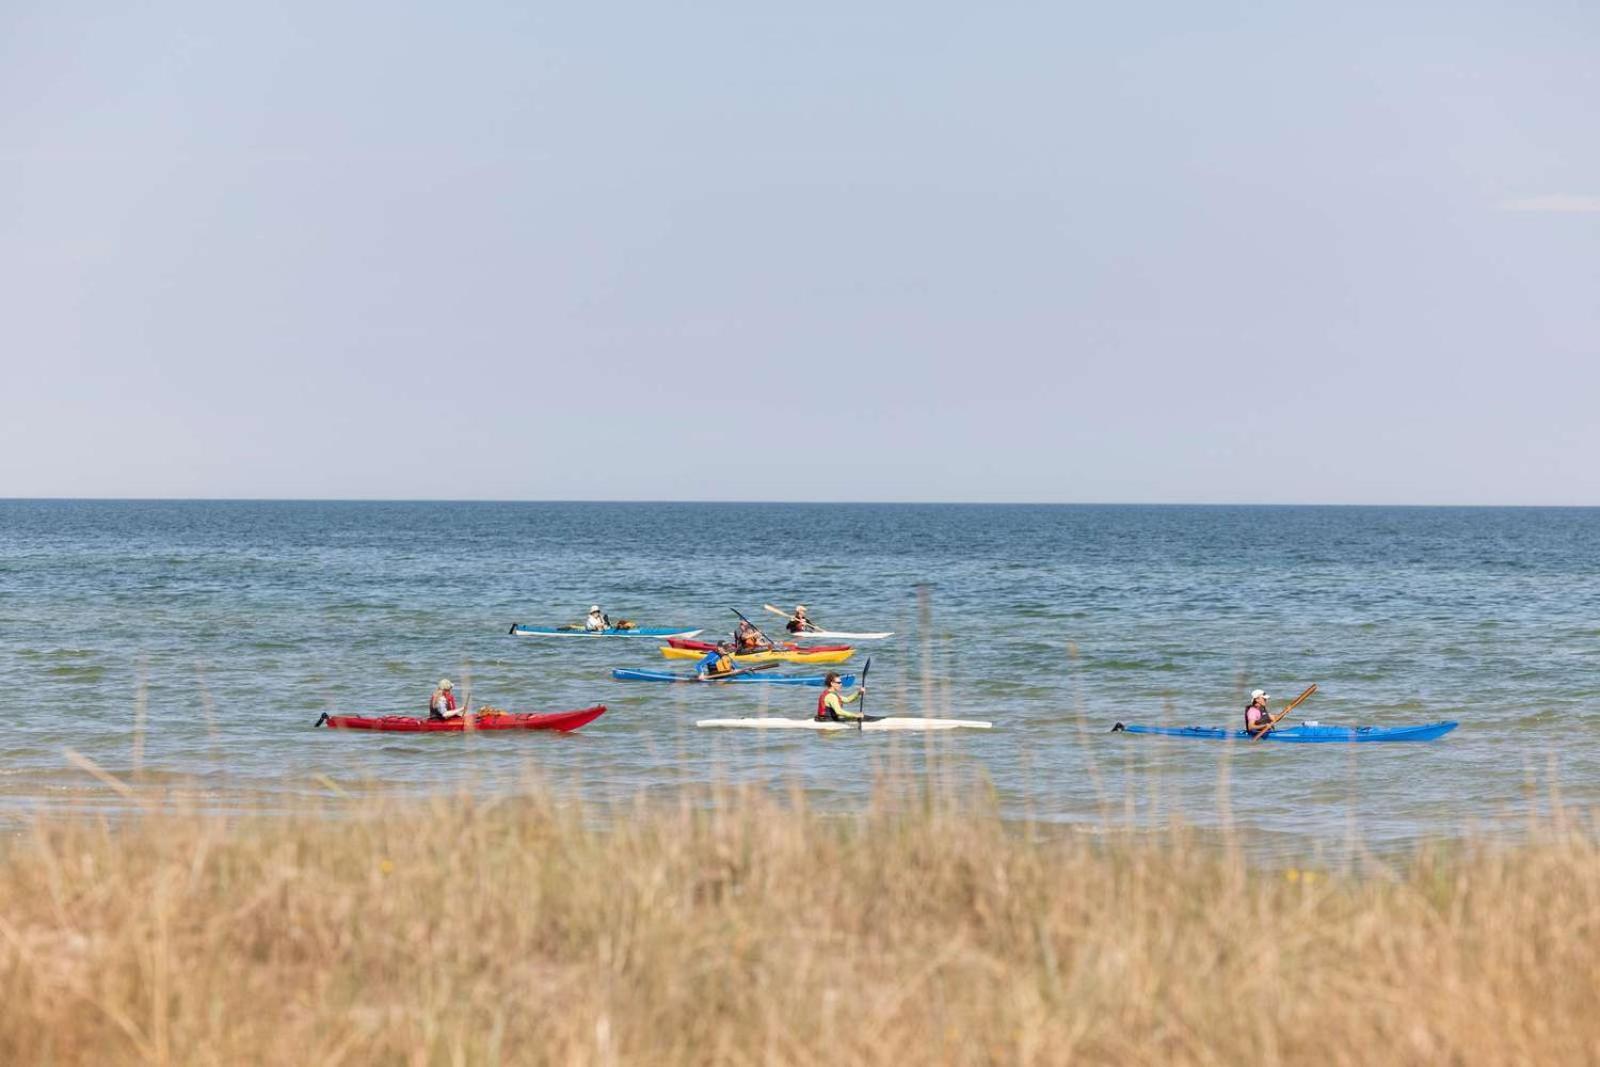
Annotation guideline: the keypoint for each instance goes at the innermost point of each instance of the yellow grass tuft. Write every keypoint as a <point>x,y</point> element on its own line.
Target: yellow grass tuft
<point>746,928</point>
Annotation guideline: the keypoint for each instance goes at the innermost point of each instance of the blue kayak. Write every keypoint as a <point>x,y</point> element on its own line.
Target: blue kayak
<point>815,680</point>
<point>1305,733</point>
<point>519,630</point>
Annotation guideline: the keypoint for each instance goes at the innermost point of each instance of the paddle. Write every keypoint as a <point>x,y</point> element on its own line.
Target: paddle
<point>1267,729</point>
<point>734,673</point>
<point>771,644</point>
<point>804,626</point>
<point>865,668</point>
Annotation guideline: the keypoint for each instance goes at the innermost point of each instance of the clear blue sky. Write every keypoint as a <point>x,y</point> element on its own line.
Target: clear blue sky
<point>826,251</point>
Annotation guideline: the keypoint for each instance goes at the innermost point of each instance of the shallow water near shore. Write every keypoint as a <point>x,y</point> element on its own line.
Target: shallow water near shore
<point>198,641</point>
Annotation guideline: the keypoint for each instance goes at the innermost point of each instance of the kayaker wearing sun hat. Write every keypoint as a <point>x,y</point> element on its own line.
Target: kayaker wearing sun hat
<point>830,705</point>
<point>746,638</point>
<point>442,704</point>
<point>597,620</point>
<point>1256,715</point>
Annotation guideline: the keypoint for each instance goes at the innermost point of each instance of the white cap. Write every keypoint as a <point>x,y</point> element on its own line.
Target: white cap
<point>445,683</point>
<point>799,609</point>
<point>1259,694</point>
<point>593,608</point>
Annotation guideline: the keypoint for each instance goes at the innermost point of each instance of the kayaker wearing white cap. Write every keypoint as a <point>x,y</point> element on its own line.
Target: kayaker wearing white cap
<point>597,620</point>
<point>442,704</point>
<point>1256,715</point>
<point>798,623</point>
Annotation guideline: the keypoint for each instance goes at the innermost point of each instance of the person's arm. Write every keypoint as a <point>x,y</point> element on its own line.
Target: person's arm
<point>836,703</point>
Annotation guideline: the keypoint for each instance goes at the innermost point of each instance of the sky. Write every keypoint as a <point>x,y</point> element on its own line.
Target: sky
<point>1060,252</point>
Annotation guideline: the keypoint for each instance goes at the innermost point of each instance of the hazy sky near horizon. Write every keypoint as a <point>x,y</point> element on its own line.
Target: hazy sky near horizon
<point>1163,251</point>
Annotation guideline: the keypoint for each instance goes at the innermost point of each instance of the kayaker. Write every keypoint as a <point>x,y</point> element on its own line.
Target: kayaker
<point>597,620</point>
<point>1257,717</point>
<point>442,704</point>
<point>830,705</point>
<point>748,639</point>
<point>717,662</point>
<point>798,623</point>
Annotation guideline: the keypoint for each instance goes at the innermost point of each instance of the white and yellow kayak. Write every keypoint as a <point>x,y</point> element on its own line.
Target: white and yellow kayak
<point>891,723</point>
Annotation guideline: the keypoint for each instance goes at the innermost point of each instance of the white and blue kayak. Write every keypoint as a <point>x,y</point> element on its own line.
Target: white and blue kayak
<point>815,680</point>
<point>1304,733</point>
<point>888,724</point>
<point>519,630</point>
<point>839,635</point>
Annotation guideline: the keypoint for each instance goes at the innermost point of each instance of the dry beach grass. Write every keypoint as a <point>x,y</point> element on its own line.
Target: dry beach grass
<point>756,930</point>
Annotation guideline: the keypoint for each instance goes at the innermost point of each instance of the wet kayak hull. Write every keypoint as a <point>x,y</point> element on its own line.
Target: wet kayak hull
<point>840,635</point>
<point>800,655</point>
<point>562,721</point>
<point>764,677</point>
<point>889,725</point>
<point>1314,733</point>
<point>657,632</point>
<point>785,646</point>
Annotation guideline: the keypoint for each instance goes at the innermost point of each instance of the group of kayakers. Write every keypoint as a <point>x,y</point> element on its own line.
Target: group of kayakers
<point>718,662</point>
<point>748,638</point>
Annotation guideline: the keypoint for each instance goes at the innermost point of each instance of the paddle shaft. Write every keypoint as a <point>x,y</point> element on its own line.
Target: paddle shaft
<point>733,673</point>
<point>770,642</point>
<point>865,668</point>
<point>1267,729</point>
<point>808,624</point>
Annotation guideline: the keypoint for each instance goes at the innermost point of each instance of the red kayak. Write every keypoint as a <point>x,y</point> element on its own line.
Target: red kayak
<point>787,646</point>
<point>486,720</point>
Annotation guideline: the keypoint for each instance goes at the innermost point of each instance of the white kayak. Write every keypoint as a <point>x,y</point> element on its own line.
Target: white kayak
<point>839,635</point>
<point>833,727</point>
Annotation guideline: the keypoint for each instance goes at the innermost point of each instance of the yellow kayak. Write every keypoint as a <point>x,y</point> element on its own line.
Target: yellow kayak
<point>797,655</point>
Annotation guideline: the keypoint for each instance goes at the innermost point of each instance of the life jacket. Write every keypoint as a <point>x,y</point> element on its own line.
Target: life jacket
<point>823,712</point>
<point>449,703</point>
<point>722,665</point>
<point>1255,727</point>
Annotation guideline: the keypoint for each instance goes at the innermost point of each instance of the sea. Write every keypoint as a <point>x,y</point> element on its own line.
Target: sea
<point>181,651</point>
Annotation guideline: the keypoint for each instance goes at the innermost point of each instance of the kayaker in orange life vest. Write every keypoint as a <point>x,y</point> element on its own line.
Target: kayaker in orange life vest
<point>1257,716</point>
<point>748,639</point>
<point>442,704</point>
<point>830,705</point>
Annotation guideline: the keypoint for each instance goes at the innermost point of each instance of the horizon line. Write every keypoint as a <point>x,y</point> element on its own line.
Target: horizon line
<point>781,503</point>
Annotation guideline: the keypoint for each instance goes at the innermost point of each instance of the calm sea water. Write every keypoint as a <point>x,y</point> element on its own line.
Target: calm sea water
<point>240,622</point>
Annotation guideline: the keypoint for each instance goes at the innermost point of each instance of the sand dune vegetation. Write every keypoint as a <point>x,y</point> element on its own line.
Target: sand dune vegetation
<point>749,928</point>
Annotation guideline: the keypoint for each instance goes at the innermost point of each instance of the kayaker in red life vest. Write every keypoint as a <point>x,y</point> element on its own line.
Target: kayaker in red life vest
<point>748,639</point>
<point>442,704</point>
<point>1256,714</point>
<point>830,705</point>
<point>798,623</point>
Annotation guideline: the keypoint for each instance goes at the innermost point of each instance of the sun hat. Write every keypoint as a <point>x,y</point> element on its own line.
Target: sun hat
<point>445,683</point>
<point>593,608</point>
<point>1259,694</point>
